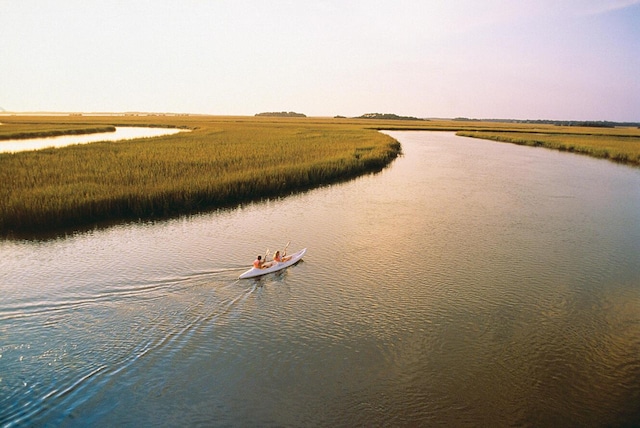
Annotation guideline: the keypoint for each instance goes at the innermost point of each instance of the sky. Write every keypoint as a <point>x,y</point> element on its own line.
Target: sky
<point>508,59</point>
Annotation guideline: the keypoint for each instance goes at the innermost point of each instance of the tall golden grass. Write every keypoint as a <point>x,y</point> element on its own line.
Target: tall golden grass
<point>620,146</point>
<point>221,162</point>
<point>17,131</point>
<point>225,161</point>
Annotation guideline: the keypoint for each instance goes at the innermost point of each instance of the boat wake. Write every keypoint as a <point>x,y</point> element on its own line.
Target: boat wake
<point>116,333</point>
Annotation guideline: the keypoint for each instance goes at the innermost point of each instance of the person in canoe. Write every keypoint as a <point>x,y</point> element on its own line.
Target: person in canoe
<point>257,263</point>
<point>277,258</point>
<point>280,258</point>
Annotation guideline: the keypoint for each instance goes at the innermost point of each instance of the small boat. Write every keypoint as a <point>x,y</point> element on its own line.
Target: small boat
<point>255,272</point>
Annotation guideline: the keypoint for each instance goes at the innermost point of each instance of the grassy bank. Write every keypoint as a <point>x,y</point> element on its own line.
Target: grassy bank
<point>18,131</point>
<point>621,145</point>
<point>224,161</point>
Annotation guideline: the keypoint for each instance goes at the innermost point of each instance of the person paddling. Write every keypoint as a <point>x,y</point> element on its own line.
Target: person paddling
<point>278,258</point>
<point>257,263</point>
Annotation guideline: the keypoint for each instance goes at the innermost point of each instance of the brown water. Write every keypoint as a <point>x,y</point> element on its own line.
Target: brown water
<point>471,283</point>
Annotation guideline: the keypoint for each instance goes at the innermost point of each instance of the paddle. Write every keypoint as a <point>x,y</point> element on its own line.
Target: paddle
<point>284,252</point>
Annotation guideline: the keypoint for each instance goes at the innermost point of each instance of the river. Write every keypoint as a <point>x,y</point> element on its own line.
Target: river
<point>471,283</point>
<point>120,134</point>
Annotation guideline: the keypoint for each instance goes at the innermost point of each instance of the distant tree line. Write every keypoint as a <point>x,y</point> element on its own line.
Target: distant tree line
<point>386,116</point>
<point>282,114</point>
<point>589,123</point>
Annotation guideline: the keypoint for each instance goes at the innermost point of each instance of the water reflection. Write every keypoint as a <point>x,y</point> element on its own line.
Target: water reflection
<point>471,283</point>
<point>121,133</point>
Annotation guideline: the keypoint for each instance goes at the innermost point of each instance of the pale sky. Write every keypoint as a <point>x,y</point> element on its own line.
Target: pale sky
<point>521,59</point>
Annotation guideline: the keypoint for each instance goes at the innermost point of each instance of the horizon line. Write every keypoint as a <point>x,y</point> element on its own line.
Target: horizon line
<point>149,113</point>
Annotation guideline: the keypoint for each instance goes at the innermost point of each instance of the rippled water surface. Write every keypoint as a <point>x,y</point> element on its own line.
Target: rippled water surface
<point>471,283</point>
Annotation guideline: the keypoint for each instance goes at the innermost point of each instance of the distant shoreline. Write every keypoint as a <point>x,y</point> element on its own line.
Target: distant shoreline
<point>228,160</point>
<point>221,163</point>
<point>56,133</point>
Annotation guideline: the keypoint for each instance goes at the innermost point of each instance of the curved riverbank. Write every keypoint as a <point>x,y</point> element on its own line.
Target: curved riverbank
<point>47,133</point>
<point>469,281</point>
<point>120,134</point>
<point>619,144</point>
<point>220,163</point>
<point>623,149</point>
<point>225,161</point>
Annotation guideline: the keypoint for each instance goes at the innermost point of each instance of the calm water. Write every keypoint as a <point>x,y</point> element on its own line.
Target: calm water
<point>121,133</point>
<point>471,283</point>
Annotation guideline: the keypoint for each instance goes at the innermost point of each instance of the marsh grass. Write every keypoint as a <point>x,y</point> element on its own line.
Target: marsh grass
<point>225,161</point>
<point>18,131</point>
<point>621,146</point>
<point>222,162</point>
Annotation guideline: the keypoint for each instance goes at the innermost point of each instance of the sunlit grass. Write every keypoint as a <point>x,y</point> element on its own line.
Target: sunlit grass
<point>621,145</point>
<point>225,161</point>
<point>16,131</point>
<point>222,162</point>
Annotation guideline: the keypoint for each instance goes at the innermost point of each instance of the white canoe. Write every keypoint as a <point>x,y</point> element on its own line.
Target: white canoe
<point>254,272</point>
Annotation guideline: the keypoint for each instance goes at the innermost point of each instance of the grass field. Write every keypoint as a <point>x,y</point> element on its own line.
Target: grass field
<point>225,161</point>
<point>17,131</point>
<point>620,144</point>
<point>619,147</point>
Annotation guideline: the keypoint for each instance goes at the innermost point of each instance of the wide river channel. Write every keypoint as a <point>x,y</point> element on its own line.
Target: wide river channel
<point>470,283</point>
